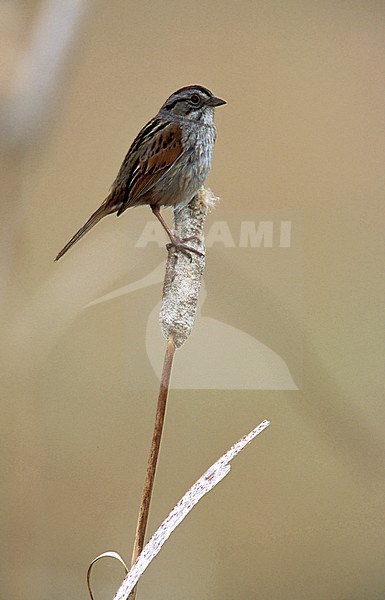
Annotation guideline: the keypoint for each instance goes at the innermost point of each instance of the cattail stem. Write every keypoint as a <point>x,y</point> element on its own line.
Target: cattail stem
<point>153,456</point>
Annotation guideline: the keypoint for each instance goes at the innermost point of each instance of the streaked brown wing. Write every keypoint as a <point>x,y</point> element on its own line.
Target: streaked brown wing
<point>151,155</point>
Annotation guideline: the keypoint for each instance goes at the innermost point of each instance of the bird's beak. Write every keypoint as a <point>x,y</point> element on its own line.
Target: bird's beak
<point>214,101</point>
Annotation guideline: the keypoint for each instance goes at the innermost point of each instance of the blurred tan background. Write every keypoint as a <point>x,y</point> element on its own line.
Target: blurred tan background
<point>302,513</point>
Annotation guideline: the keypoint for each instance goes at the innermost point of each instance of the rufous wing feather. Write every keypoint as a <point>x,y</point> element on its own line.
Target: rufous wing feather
<point>152,163</point>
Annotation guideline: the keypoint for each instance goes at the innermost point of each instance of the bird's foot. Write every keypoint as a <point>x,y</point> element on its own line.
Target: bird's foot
<point>181,246</point>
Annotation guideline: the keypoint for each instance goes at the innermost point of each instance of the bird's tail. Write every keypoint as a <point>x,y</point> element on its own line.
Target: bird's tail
<point>101,212</point>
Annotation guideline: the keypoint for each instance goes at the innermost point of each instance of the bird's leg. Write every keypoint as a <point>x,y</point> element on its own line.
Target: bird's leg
<point>176,242</point>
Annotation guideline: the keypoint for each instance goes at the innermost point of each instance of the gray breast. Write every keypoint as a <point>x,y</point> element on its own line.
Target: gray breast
<point>195,163</point>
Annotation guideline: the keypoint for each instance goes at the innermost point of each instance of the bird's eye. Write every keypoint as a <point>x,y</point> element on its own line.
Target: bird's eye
<point>195,100</point>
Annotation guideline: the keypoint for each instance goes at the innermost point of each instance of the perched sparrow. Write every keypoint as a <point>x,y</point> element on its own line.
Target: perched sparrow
<point>167,162</point>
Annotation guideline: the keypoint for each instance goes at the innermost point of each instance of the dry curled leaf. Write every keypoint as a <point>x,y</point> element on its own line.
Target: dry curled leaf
<point>109,554</point>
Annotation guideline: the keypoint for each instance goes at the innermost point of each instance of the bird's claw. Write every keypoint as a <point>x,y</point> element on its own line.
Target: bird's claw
<point>181,246</point>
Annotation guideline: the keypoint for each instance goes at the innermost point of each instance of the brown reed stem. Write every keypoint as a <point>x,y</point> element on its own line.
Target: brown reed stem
<point>153,456</point>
